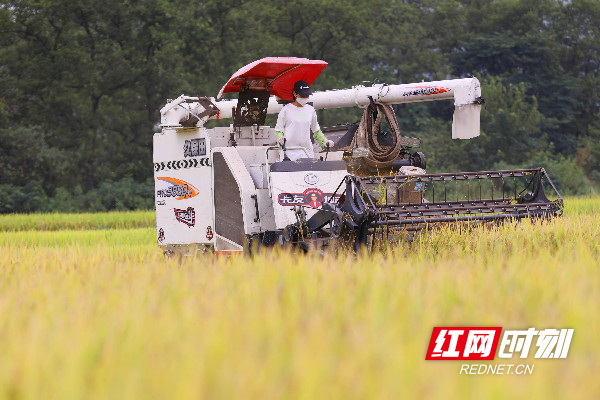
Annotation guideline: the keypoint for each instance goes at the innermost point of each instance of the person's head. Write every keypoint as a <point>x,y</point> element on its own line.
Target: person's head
<point>313,196</point>
<point>301,91</point>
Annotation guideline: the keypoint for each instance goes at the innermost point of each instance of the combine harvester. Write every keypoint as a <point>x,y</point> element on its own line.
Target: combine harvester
<point>227,189</point>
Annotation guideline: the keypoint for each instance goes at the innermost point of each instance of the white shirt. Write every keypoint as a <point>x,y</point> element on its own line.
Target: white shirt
<point>296,123</point>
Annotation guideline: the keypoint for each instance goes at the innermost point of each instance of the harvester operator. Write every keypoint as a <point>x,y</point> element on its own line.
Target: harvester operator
<point>295,122</point>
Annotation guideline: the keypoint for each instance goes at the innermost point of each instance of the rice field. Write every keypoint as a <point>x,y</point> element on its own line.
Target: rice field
<point>90,309</point>
<point>62,222</point>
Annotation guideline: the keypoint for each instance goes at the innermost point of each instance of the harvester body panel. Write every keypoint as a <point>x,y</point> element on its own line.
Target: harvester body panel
<point>182,171</point>
<point>306,183</point>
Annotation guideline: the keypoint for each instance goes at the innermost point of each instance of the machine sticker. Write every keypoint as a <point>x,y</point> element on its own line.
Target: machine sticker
<point>194,148</point>
<point>178,189</point>
<point>311,178</point>
<point>179,164</point>
<point>311,197</point>
<point>424,91</point>
<point>418,185</point>
<point>161,235</point>
<point>314,197</point>
<point>209,233</point>
<point>188,216</point>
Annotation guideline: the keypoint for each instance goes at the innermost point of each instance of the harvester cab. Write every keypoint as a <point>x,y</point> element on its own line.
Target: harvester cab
<point>227,189</point>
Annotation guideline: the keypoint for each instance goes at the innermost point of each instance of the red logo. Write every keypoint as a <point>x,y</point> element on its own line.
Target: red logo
<point>460,343</point>
<point>209,233</point>
<point>314,197</point>
<point>188,216</point>
<point>424,90</point>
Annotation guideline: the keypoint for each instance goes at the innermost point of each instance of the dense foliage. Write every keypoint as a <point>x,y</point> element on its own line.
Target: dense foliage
<point>81,82</point>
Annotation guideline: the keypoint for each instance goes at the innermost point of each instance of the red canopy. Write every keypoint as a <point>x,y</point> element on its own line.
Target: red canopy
<point>277,74</point>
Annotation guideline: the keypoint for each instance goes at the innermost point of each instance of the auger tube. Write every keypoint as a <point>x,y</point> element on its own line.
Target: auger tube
<point>465,92</point>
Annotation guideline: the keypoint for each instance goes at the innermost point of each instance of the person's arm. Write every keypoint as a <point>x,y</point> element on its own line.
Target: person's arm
<point>278,136</point>
<point>318,134</point>
<point>280,127</point>
<point>320,138</point>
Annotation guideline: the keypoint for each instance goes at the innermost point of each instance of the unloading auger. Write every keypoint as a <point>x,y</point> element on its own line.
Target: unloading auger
<point>227,189</point>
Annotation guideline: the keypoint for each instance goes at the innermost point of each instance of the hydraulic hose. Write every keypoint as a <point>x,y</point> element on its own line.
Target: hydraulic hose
<point>379,156</point>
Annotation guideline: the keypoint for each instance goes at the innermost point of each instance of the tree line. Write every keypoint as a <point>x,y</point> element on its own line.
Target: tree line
<point>82,82</point>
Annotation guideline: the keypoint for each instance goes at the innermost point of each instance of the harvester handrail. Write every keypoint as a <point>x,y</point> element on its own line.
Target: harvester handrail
<point>281,149</point>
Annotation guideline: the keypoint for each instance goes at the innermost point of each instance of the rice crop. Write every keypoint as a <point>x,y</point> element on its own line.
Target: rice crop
<point>100,313</point>
<point>57,221</point>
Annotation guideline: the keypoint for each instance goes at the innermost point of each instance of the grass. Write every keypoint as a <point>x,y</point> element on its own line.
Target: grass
<point>94,313</point>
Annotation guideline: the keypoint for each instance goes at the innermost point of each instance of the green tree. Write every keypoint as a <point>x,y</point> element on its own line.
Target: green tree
<point>86,79</point>
<point>88,70</point>
<point>510,132</point>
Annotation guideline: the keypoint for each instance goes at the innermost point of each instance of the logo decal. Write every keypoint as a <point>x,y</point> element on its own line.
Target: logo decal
<point>551,343</point>
<point>209,233</point>
<point>188,216</point>
<point>194,148</point>
<point>311,178</point>
<point>312,197</point>
<point>161,235</point>
<point>179,164</point>
<point>461,343</point>
<point>178,189</point>
<point>424,91</point>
